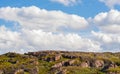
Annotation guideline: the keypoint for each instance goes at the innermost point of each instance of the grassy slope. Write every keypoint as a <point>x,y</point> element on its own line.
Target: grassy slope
<point>13,61</point>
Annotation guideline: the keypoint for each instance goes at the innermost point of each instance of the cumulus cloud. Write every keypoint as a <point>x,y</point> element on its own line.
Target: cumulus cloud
<point>67,2</point>
<point>40,29</point>
<point>48,40</point>
<point>108,21</point>
<point>36,40</point>
<point>107,37</point>
<point>35,18</point>
<point>109,30</point>
<point>11,41</point>
<point>110,3</point>
<point>108,41</point>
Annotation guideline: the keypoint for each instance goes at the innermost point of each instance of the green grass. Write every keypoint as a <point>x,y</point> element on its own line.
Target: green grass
<point>11,61</point>
<point>79,70</point>
<point>117,69</point>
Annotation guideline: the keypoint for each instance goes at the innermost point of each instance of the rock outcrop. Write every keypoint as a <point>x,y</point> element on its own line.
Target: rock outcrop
<point>99,63</point>
<point>84,65</point>
<point>60,62</point>
<point>64,63</point>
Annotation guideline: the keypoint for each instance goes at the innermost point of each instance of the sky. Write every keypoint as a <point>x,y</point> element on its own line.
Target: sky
<point>66,25</point>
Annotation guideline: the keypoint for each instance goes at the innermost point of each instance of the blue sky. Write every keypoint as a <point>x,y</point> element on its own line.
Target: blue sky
<point>85,9</point>
<point>74,25</point>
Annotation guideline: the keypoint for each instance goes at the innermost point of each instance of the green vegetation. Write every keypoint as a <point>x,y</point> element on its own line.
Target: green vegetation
<point>45,62</point>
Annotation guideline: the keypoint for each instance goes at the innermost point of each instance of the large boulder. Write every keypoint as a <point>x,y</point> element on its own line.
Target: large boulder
<point>62,72</point>
<point>1,72</point>
<point>84,64</point>
<point>57,57</point>
<point>19,71</point>
<point>112,65</point>
<point>68,63</point>
<point>70,56</point>
<point>98,63</point>
<point>64,63</point>
<point>58,65</point>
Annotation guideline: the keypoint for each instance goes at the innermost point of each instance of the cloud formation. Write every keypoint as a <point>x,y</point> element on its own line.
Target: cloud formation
<point>110,3</point>
<point>67,2</point>
<point>109,42</point>
<point>36,40</point>
<point>108,21</point>
<point>40,29</point>
<point>12,41</point>
<point>43,19</point>
<point>109,26</point>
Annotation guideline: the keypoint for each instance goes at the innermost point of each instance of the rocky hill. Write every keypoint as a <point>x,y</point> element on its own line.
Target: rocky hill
<point>60,62</point>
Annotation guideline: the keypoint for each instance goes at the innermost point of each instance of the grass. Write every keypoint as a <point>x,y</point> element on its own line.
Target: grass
<point>13,61</point>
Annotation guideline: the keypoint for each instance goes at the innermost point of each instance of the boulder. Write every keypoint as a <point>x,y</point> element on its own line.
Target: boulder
<point>70,56</point>
<point>20,71</point>
<point>62,72</point>
<point>34,70</point>
<point>64,63</point>
<point>84,64</point>
<point>98,63</point>
<point>1,72</point>
<point>112,65</point>
<point>58,65</point>
<point>68,63</point>
<point>57,57</point>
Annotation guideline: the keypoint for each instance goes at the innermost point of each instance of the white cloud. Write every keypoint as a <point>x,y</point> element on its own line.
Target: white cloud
<point>107,37</point>
<point>40,30</point>
<point>111,3</point>
<point>67,2</point>
<point>48,40</point>
<point>108,21</point>
<point>108,41</point>
<point>37,31</point>
<point>11,41</point>
<point>35,40</point>
<point>35,18</point>
<point>109,33</point>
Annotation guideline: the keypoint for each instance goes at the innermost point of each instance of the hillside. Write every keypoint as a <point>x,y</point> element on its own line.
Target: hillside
<point>60,62</point>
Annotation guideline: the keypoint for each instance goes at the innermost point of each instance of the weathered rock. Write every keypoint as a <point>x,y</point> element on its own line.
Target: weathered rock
<point>84,64</point>
<point>98,63</point>
<point>62,72</point>
<point>68,63</point>
<point>113,65</point>
<point>1,72</point>
<point>34,70</point>
<point>70,56</point>
<point>13,61</point>
<point>53,58</point>
<point>58,65</point>
<point>109,65</point>
<point>64,63</point>
<point>20,71</point>
<point>71,62</point>
<point>57,57</point>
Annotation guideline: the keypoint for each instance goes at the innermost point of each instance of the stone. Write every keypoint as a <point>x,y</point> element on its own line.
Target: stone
<point>68,63</point>
<point>112,65</point>
<point>57,57</point>
<point>62,72</point>
<point>58,65</point>
<point>1,72</point>
<point>70,56</point>
<point>20,71</point>
<point>99,63</point>
<point>84,64</point>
